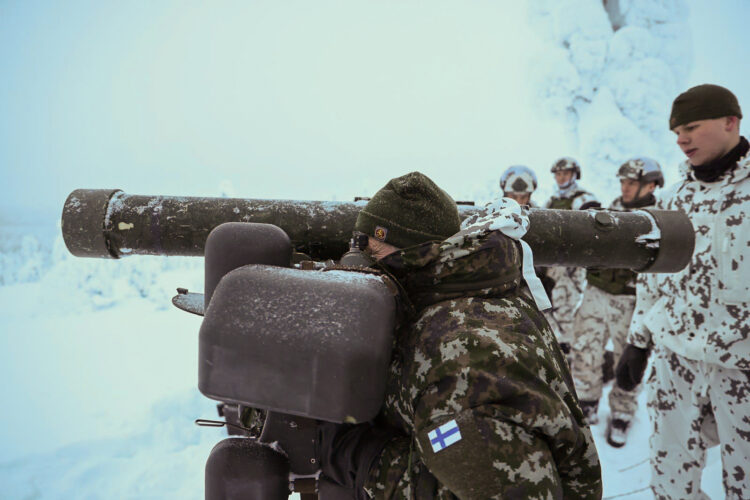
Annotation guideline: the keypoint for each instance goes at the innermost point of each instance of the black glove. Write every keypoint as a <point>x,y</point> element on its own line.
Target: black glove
<point>631,366</point>
<point>547,282</point>
<point>346,452</point>
<point>565,347</point>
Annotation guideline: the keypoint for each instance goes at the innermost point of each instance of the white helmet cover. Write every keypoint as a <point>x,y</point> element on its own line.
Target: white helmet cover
<point>641,169</point>
<point>567,163</point>
<point>518,179</point>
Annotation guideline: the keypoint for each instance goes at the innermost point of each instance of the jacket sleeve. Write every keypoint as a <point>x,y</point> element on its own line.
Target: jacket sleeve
<point>489,404</point>
<point>491,458</point>
<point>569,284</point>
<point>646,295</point>
<point>494,458</point>
<point>474,444</point>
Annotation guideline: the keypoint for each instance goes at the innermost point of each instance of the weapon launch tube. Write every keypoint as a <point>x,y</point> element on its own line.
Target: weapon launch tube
<point>111,224</point>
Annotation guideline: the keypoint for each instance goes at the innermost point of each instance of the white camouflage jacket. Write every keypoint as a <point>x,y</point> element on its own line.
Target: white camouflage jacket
<point>703,311</point>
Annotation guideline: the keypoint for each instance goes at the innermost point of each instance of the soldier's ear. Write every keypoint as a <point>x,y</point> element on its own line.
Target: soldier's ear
<point>731,123</point>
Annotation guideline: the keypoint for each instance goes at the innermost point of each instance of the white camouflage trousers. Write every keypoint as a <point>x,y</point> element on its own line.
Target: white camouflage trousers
<point>693,406</point>
<point>602,316</point>
<point>565,296</point>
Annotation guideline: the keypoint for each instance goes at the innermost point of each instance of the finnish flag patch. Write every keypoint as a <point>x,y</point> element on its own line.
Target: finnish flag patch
<point>444,436</point>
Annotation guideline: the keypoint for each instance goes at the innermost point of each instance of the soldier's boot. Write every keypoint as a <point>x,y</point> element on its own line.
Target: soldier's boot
<point>618,426</point>
<point>590,411</point>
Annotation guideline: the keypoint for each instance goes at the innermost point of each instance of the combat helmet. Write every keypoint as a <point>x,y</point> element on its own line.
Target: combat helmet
<point>567,163</point>
<point>643,170</point>
<point>518,179</point>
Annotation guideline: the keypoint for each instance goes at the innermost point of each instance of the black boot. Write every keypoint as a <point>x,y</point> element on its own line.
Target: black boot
<point>618,426</point>
<point>590,409</point>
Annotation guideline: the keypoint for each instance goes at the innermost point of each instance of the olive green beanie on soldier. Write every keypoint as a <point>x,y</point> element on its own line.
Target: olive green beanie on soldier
<point>704,102</point>
<point>409,210</point>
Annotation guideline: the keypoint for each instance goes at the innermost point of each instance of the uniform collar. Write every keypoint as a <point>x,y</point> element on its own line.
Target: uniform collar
<point>740,172</point>
<point>568,191</point>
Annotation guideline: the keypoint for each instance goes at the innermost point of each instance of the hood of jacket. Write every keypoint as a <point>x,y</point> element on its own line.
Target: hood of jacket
<point>478,261</point>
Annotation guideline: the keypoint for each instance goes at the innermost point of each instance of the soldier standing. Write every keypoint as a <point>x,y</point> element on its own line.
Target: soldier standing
<point>518,182</point>
<point>697,321</point>
<point>569,282</point>
<point>480,403</point>
<point>607,308</point>
<point>569,195</point>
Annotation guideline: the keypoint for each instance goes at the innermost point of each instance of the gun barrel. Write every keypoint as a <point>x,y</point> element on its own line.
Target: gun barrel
<point>109,223</point>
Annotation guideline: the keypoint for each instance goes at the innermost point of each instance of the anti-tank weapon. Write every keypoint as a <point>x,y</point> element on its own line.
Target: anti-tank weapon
<point>307,345</point>
<point>112,224</point>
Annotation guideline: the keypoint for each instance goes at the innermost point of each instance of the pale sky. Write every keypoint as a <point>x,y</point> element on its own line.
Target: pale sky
<point>302,100</point>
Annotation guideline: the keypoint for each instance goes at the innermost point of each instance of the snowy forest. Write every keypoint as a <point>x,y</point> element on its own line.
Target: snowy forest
<point>323,101</point>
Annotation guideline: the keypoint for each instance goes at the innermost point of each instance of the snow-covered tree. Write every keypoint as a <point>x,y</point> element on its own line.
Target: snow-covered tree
<point>610,69</point>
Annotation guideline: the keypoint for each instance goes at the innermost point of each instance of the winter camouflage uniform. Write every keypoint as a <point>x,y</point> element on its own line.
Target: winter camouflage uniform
<point>570,282</point>
<point>566,295</point>
<point>478,356</point>
<point>605,313</point>
<point>698,321</point>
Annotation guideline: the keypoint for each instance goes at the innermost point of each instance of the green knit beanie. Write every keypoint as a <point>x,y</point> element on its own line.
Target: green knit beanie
<point>704,102</point>
<point>409,210</point>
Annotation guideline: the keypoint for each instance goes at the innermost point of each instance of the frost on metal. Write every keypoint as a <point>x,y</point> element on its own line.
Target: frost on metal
<point>652,238</point>
<point>116,205</point>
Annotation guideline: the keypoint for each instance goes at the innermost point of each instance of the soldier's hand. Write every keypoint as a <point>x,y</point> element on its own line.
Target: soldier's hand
<point>346,452</point>
<point>565,347</point>
<point>631,366</point>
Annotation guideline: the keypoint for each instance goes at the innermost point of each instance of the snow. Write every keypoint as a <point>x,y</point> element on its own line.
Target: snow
<point>99,370</point>
<point>613,87</point>
<point>99,402</point>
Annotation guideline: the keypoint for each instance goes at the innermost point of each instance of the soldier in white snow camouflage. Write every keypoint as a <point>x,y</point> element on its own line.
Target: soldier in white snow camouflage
<point>519,182</point>
<point>697,321</point>
<point>569,282</point>
<point>570,195</point>
<point>606,310</point>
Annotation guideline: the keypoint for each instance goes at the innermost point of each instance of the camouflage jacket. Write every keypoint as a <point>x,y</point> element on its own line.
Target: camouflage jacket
<point>703,311</point>
<point>478,385</point>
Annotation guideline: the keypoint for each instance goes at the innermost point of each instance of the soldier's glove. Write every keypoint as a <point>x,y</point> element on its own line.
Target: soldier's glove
<point>547,282</point>
<point>631,366</point>
<point>347,452</point>
<point>565,347</point>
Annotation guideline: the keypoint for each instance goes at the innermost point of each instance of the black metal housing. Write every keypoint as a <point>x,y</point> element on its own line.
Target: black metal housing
<point>244,469</point>
<point>310,343</point>
<point>235,244</point>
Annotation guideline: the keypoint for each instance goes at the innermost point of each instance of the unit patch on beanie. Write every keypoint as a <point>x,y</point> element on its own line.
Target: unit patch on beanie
<point>380,233</point>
